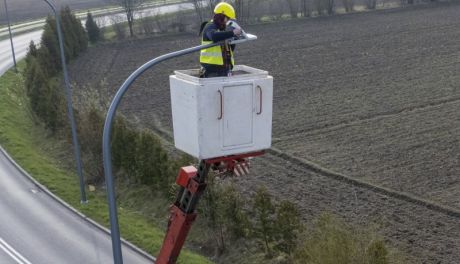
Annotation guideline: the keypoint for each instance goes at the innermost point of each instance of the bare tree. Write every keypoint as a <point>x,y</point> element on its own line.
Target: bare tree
<point>371,4</point>
<point>147,24</point>
<point>348,5</point>
<point>305,5</point>
<point>203,8</point>
<point>293,8</point>
<point>118,27</point>
<point>319,6</point>
<point>330,6</point>
<point>242,8</point>
<point>130,7</point>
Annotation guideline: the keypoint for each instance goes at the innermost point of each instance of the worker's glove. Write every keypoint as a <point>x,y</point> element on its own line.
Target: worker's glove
<point>237,30</point>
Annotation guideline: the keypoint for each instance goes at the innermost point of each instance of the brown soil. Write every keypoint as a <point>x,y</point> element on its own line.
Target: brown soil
<point>372,96</point>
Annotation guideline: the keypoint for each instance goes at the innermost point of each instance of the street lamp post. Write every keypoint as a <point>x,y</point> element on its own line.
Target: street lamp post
<point>70,114</point>
<point>11,37</point>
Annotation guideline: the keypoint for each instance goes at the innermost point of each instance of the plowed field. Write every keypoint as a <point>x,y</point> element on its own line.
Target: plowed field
<point>369,96</point>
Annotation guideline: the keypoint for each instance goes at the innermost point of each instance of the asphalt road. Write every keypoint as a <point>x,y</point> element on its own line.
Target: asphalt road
<point>35,228</point>
<point>21,42</point>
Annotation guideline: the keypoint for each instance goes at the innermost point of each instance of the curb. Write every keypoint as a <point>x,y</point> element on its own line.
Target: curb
<point>73,210</point>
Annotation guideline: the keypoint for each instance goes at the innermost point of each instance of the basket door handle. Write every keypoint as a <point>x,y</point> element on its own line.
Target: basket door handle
<point>221,105</point>
<point>260,98</point>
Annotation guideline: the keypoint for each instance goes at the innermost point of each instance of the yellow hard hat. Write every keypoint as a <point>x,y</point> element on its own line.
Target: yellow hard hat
<point>226,9</point>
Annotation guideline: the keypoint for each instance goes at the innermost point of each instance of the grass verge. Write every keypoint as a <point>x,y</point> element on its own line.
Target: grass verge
<point>31,147</point>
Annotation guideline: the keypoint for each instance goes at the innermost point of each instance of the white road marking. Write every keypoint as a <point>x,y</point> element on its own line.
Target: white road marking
<point>20,259</point>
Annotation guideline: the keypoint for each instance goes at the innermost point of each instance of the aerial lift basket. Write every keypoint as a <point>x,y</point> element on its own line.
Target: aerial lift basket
<point>222,116</point>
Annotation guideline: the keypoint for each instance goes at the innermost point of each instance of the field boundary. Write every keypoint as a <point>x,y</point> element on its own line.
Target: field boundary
<point>340,125</point>
<point>312,166</point>
<point>375,188</point>
<point>72,209</point>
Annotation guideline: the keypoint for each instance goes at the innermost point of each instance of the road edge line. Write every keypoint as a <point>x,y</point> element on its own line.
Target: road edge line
<point>13,253</point>
<point>71,208</point>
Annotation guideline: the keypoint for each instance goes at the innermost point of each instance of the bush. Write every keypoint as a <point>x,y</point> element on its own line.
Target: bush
<point>50,47</point>
<point>46,99</point>
<point>331,242</point>
<point>92,29</point>
<point>288,227</point>
<point>44,90</point>
<point>55,117</point>
<point>91,126</point>
<point>213,217</point>
<point>235,218</point>
<point>123,144</point>
<point>75,38</point>
<point>139,156</point>
<point>264,211</point>
<point>224,215</point>
<point>152,162</point>
<point>377,253</point>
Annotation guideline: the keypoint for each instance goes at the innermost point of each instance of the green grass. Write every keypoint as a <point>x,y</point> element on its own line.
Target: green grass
<point>31,146</point>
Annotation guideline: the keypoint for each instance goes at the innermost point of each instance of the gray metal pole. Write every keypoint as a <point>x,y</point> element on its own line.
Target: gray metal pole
<point>115,232</point>
<point>11,37</point>
<point>70,114</point>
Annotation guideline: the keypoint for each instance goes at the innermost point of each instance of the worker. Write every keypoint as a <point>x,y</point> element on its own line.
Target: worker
<point>218,61</point>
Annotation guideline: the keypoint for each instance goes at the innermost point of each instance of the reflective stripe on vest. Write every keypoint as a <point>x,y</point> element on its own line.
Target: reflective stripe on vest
<point>213,55</point>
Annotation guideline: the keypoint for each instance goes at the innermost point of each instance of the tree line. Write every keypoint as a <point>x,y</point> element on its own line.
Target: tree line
<point>43,65</point>
<point>138,154</point>
<point>248,11</point>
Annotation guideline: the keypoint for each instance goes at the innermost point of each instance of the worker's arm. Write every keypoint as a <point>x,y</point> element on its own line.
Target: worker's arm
<point>217,36</point>
<point>211,33</point>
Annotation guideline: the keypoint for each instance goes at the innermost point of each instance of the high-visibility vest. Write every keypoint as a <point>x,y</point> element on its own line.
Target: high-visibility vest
<point>214,55</point>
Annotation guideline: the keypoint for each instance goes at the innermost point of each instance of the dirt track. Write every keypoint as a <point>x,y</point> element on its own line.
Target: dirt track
<point>374,96</point>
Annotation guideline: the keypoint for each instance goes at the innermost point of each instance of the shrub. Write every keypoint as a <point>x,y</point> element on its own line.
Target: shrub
<point>49,42</point>
<point>45,97</point>
<point>140,157</point>
<point>91,126</point>
<point>377,253</point>
<point>152,161</point>
<point>123,144</point>
<point>43,63</point>
<point>288,227</point>
<point>92,29</point>
<point>213,217</point>
<point>235,218</point>
<point>264,211</point>
<point>75,37</point>
<point>331,242</point>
